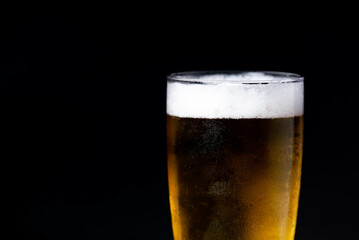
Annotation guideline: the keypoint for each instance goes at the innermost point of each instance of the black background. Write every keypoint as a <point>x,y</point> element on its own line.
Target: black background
<point>82,100</point>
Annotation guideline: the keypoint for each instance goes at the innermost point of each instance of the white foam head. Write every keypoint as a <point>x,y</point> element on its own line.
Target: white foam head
<point>235,95</point>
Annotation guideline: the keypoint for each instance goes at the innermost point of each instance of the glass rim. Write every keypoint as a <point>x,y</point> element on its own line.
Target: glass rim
<point>212,77</point>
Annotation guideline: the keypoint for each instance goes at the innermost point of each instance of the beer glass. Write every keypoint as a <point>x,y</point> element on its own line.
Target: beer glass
<point>234,152</point>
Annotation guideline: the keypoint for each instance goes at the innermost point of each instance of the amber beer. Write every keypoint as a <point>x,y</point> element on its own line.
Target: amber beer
<point>234,166</point>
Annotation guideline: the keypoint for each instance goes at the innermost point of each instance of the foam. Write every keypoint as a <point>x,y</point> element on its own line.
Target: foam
<point>229,96</point>
<point>246,77</point>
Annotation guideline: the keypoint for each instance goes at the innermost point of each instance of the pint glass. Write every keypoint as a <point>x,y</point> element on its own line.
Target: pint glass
<point>234,152</point>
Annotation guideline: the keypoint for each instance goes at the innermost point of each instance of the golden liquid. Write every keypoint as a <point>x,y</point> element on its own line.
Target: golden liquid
<point>234,178</point>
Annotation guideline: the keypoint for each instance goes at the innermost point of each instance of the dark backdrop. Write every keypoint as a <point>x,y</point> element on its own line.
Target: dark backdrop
<point>82,100</point>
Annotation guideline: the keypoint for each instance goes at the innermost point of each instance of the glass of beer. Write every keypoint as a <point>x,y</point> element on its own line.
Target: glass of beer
<point>234,152</point>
